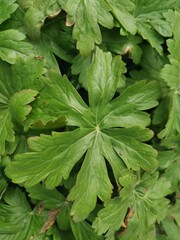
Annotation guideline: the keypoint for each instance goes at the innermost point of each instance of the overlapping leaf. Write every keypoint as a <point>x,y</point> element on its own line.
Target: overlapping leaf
<point>18,220</point>
<point>7,8</point>
<point>12,44</point>
<point>170,74</point>
<point>143,202</point>
<point>37,12</point>
<point>169,160</point>
<point>117,126</point>
<point>93,13</point>
<point>146,18</point>
<point>82,230</point>
<point>16,93</point>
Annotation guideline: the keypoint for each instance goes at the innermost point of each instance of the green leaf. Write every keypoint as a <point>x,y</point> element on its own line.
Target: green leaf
<point>18,104</point>
<point>28,73</point>
<point>134,153</point>
<point>114,42</point>
<point>162,27</point>
<point>146,202</point>
<point>51,199</point>
<point>102,84</point>
<point>115,209</point>
<point>66,101</point>
<point>170,74</point>
<point>151,66</point>
<point>87,35</point>
<point>82,230</point>
<point>18,220</point>
<point>169,161</point>
<point>36,14</point>
<point>11,44</point>
<point>64,46</point>
<point>14,95</point>
<point>6,129</point>
<point>151,22</point>
<point>148,34</point>
<point>125,18</point>
<point>52,165</point>
<point>150,6</point>
<point>92,139</point>
<point>92,181</point>
<point>171,229</point>
<point>3,187</point>
<point>7,8</point>
<point>63,217</point>
<point>137,97</point>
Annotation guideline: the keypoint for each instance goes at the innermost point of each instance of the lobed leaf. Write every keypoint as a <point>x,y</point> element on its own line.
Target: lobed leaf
<point>87,35</point>
<point>37,12</point>
<point>7,8</point>
<point>18,220</point>
<point>94,141</point>
<point>12,44</point>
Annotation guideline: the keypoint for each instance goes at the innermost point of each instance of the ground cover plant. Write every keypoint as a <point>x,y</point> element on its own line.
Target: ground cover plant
<point>89,119</point>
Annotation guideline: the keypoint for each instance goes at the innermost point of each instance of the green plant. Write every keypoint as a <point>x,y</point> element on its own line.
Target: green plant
<point>89,119</point>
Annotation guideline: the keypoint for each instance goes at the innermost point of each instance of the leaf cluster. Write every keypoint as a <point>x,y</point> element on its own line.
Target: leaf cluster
<point>89,119</point>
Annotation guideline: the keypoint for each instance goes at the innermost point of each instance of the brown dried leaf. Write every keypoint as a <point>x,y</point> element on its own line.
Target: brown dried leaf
<point>50,221</point>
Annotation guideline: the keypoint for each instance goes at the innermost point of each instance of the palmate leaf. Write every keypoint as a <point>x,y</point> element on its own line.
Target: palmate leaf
<point>18,220</point>
<point>143,201</point>
<point>98,135</point>
<point>16,94</point>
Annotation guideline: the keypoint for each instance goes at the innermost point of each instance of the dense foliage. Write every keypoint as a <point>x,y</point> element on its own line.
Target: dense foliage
<point>89,119</point>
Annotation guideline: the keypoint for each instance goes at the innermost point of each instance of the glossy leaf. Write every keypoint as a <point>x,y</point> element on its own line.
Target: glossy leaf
<point>92,137</point>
